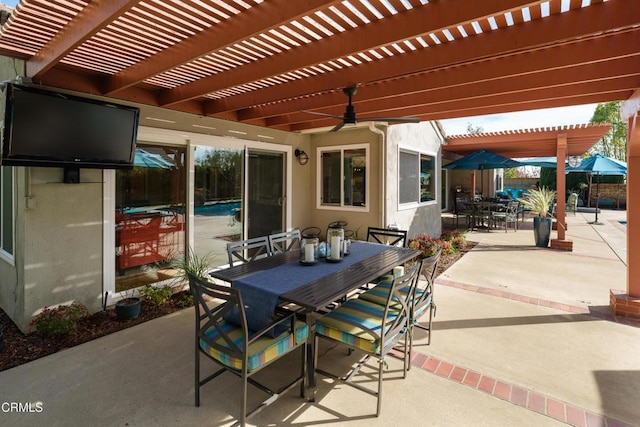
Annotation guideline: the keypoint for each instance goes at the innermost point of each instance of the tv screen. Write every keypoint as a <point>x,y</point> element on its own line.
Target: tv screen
<point>47,128</point>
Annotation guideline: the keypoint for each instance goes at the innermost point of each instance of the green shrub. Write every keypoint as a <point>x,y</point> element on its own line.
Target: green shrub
<point>185,300</point>
<point>61,320</point>
<point>157,295</point>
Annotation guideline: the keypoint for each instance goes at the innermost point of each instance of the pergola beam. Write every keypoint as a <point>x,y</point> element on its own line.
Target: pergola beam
<point>254,21</point>
<point>93,18</point>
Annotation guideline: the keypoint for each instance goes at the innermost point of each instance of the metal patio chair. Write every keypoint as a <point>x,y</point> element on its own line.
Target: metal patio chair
<point>285,241</point>
<point>248,250</point>
<point>236,349</point>
<point>372,328</point>
<point>387,236</point>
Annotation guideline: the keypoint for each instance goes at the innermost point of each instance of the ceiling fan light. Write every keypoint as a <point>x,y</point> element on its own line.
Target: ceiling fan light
<point>575,161</point>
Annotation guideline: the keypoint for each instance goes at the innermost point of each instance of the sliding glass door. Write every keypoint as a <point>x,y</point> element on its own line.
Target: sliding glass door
<point>150,216</point>
<point>265,193</point>
<point>218,213</point>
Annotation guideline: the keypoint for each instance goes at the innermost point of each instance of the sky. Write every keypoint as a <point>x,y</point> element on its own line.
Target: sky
<point>11,3</point>
<point>549,117</point>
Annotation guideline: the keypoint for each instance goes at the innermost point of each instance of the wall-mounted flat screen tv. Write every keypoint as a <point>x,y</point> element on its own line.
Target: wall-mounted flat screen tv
<point>48,128</point>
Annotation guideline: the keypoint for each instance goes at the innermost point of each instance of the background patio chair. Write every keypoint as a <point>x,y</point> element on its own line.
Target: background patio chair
<point>463,208</point>
<point>508,215</point>
<point>248,250</point>
<point>285,241</point>
<point>372,328</point>
<point>227,342</point>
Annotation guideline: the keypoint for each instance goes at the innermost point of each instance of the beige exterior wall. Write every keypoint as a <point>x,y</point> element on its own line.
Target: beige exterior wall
<point>424,218</point>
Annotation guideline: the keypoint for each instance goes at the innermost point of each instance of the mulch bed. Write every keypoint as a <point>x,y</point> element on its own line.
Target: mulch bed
<point>19,348</point>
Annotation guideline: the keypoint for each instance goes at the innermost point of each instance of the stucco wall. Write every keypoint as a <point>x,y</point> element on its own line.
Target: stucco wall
<point>423,138</point>
<point>63,240</point>
<point>11,292</point>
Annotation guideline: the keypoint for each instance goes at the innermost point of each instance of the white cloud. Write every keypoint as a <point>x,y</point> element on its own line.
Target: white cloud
<point>533,119</point>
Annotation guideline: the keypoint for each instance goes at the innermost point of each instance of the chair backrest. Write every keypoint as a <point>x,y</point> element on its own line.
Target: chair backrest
<point>212,303</point>
<point>397,310</point>
<point>248,250</point>
<point>387,236</point>
<point>428,271</point>
<point>285,241</point>
<point>512,208</point>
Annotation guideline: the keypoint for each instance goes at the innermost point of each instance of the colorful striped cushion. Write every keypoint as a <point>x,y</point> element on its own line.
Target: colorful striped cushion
<point>261,352</point>
<point>379,294</point>
<point>357,312</point>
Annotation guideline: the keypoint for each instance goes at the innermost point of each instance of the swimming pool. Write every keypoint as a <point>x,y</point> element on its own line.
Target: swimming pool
<point>224,208</point>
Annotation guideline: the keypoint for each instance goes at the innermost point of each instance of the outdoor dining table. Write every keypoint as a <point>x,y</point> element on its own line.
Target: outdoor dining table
<point>281,279</point>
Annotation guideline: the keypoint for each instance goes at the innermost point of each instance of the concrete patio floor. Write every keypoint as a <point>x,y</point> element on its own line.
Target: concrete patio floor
<point>523,336</point>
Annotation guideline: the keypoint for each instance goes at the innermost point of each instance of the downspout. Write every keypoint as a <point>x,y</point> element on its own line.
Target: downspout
<point>383,173</point>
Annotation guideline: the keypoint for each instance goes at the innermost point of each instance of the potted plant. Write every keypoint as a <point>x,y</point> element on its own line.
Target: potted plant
<point>539,201</point>
<point>128,307</point>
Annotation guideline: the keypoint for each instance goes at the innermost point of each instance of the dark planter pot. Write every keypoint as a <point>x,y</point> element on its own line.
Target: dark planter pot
<point>542,231</point>
<point>128,308</point>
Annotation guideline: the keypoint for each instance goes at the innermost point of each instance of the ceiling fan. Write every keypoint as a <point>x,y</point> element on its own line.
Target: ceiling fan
<point>349,117</point>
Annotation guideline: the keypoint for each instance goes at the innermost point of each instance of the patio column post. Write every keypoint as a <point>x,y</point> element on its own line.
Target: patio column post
<point>561,180</point>
<point>628,304</point>
<point>633,206</point>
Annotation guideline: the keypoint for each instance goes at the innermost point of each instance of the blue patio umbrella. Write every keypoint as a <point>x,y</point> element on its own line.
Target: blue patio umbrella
<point>600,165</point>
<point>543,162</point>
<point>481,160</point>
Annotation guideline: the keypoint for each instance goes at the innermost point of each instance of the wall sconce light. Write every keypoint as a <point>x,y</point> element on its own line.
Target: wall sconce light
<point>575,161</point>
<point>303,158</point>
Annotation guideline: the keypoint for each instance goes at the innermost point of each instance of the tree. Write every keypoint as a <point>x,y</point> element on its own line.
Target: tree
<point>613,143</point>
<point>477,130</point>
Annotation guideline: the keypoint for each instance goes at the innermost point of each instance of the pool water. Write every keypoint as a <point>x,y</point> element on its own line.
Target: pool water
<point>218,208</point>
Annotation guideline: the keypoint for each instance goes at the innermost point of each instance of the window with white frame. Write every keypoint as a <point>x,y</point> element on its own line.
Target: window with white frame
<point>6,210</point>
<point>343,176</point>
<point>416,177</point>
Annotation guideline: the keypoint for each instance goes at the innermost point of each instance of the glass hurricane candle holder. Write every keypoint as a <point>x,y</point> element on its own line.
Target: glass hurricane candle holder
<point>335,243</point>
<point>309,249</point>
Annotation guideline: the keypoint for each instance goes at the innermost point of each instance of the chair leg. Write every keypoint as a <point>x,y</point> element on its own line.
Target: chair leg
<point>380,372</point>
<point>303,369</point>
<point>243,402</point>
<point>432,314</point>
<point>197,377</point>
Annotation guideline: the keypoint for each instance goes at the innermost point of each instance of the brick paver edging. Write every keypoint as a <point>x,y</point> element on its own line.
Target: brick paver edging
<point>541,302</point>
<point>517,395</point>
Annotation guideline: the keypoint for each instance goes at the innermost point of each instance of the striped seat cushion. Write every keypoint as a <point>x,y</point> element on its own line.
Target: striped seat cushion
<point>379,293</point>
<point>345,324</point>
<point>261,352</point>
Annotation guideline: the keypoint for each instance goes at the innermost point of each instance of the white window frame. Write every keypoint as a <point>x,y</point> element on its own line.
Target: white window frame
<point>367,177</point>
<point>4,254</point>
<point>436,179</point>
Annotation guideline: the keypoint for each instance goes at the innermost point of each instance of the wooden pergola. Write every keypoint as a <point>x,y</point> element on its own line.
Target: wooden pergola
<point>270,63</point>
